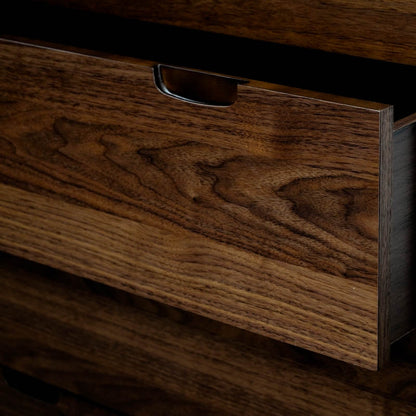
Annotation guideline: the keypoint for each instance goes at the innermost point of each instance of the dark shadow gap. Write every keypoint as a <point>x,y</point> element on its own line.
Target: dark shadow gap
<point>315,70</point>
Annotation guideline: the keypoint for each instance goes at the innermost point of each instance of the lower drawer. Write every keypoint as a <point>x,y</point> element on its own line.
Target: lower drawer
<point>267,207</point>
<point>144,358</point>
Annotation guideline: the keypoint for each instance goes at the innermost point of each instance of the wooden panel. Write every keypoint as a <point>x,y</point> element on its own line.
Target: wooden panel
<point>372,29</point>
<point>144,358</point>
<point>263,214</point>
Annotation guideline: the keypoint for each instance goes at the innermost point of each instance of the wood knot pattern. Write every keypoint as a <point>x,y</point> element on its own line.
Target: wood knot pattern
<point>263,214</point>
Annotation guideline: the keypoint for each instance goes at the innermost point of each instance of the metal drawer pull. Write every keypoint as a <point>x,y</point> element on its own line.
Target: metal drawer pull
<point>195,87</point>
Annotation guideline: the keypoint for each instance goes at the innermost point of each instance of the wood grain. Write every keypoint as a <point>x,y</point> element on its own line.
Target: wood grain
<point>144,358</point>
<point>294,66</point>
<point>371,29</point>
<point>263,215</point>
<point>385,235</point>
<point>14,402</point>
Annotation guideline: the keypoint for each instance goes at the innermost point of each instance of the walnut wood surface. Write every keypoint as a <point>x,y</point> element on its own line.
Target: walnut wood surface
<point>383,30</point>
<point>15,402</point>
<point>384,242</point>
<point>144,358</point>
<point>263,215</point>
<point>310,69</point>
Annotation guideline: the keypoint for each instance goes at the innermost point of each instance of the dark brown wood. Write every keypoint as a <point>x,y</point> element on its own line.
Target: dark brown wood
<point>384,224</point>
<point>13,403</point>
<point>17,402</point>
<point>404,122</point>
<point>297,67</point>
<point>144,358</point>
<point>371,29</point>
<point>263,215</point>
<point>403,284</point>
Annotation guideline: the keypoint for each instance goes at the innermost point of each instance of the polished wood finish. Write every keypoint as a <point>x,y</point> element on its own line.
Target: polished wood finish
<point>144,358</point>
<point>384,30</point>
<point>264,215</point>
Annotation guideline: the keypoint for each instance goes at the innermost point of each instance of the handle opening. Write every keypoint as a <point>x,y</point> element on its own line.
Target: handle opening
<point>195,87</point>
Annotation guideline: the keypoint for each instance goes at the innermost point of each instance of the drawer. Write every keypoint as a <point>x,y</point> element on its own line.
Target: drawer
<point>281,211</point>
<point>141,357</point>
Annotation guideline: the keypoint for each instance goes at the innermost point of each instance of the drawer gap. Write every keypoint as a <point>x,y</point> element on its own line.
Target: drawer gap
<point>338,74</point>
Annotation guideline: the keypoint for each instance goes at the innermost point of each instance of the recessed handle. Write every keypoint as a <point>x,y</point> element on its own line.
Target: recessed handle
<point>195,87</point>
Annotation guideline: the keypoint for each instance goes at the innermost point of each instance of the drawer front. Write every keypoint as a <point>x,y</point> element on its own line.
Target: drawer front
<point>144,358</point>
<point>263,214</point>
